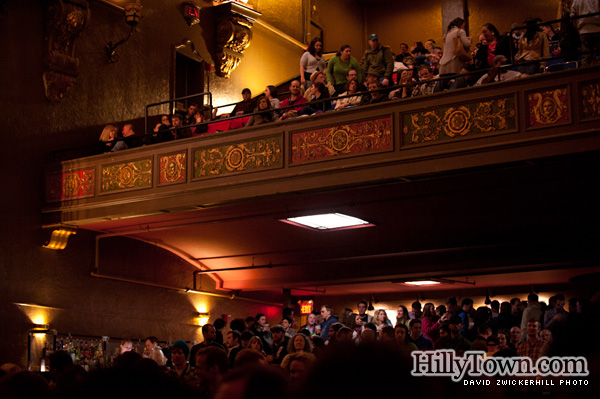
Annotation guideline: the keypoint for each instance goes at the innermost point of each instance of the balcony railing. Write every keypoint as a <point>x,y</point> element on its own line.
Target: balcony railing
<point>536,117</point>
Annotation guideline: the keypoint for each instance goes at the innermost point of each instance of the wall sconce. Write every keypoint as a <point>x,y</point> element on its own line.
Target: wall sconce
<point>133,13</point>
<point>203,318</point>
<point>59,238</point>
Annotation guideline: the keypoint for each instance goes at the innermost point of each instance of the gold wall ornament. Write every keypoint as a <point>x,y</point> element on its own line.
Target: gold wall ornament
<point>172,168</point>
<point>233,35</point>
<point>65,20</point>
<point>590,100</point>
<point>447,123</point>
<point>127,176</point>
<point>248,156</point>
<point>548,107</point>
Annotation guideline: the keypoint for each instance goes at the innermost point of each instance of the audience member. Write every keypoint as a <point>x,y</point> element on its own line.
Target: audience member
<point>425,85</point>
<point>378,61</point>
<point>328,320</point>
<point>339,66</point>
<point>374,95</point>
<point>453,58</point>
<point>211,365</point>
<point>416,337</point>
<point>295,98</point>
<point>455,340</point>
<point>210,339</point>
<point>312,60</point>
<point>190,116</point>
<point>498,73</point>
<point>179,131</point>
<point>108,138</point>
<point>589,29</point>
<point>402,316</point>
<point>271,95</point>
<point>533,311</point>
<point>264,113</point>
<point>351,88</point>
<point>129,140</point>
<point>532,346</point>
<point>533,47</point>
<point>318,91</point>
<point>246,106</point>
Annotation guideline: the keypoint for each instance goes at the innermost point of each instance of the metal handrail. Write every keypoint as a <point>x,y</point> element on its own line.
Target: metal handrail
<point>173,100</point>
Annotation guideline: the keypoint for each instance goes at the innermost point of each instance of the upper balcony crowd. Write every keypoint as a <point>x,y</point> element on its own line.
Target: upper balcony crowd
<point>382,75</point>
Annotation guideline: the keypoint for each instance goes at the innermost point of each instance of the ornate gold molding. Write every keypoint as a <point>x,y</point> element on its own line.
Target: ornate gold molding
<point>65,21</point>
<point>233,36</point>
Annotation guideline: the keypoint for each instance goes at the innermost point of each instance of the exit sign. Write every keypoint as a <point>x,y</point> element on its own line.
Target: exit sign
<point>306,307</point>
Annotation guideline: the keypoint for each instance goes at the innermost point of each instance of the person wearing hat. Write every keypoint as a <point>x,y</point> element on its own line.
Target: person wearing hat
<point>246,106</point>
<point>378,61</point>
<point>179,356</point>
<point>280,344</point>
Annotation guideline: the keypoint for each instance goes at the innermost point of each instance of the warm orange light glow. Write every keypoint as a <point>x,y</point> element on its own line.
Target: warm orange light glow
<point>203,319</point>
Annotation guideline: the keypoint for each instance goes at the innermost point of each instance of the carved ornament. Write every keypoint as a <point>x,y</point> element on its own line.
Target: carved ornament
<point>65,20</point>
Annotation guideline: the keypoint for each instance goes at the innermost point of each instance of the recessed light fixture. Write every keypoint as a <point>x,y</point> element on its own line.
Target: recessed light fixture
<point>419,283</point>
<point>328,221</point>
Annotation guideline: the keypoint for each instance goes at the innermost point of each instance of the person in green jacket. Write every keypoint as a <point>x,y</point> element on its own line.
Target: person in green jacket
<point>339,66</point>
<point>378,61</point>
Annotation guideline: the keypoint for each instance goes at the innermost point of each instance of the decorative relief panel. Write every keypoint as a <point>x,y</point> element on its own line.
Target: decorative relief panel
<point>65,21</point>
<point>233,35</point>
<point>172,168</point>
<point>249,156</point>
<point>590,100</point>
<point>127,176</point>
<point>343,140</point>
<point>548,107</point>
<point>70,185</point>
<point>447,123</point>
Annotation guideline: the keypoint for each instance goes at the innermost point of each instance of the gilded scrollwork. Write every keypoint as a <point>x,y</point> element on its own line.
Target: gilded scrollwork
<point>548,107</point>
<point>446,123</point>
<point>172,168</point>
<point>70,185</point>
<point>239,157</point>
<point>344,140</point>
<point>590,100</point>
<point>233,36</point>
<point>130,175</point>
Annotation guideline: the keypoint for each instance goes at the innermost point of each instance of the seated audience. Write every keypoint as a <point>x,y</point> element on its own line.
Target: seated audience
<point>264,113</point>
<point>180,132</point>
<point>374,95</point>
<point>426,86</point>
<point>246,106</point>
<point>129,140</point>
<point>294,98</point>
<point>498,73</point>
<point>108,138</point>
<point>344,102</point>
<point>271,95</point>
<point>318,91</point>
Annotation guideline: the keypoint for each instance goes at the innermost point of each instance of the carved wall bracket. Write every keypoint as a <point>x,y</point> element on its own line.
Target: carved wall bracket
<point>65,20</point>
<point>233,35</point>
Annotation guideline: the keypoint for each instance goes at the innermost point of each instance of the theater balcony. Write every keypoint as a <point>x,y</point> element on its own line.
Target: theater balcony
<point>493,185</point>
